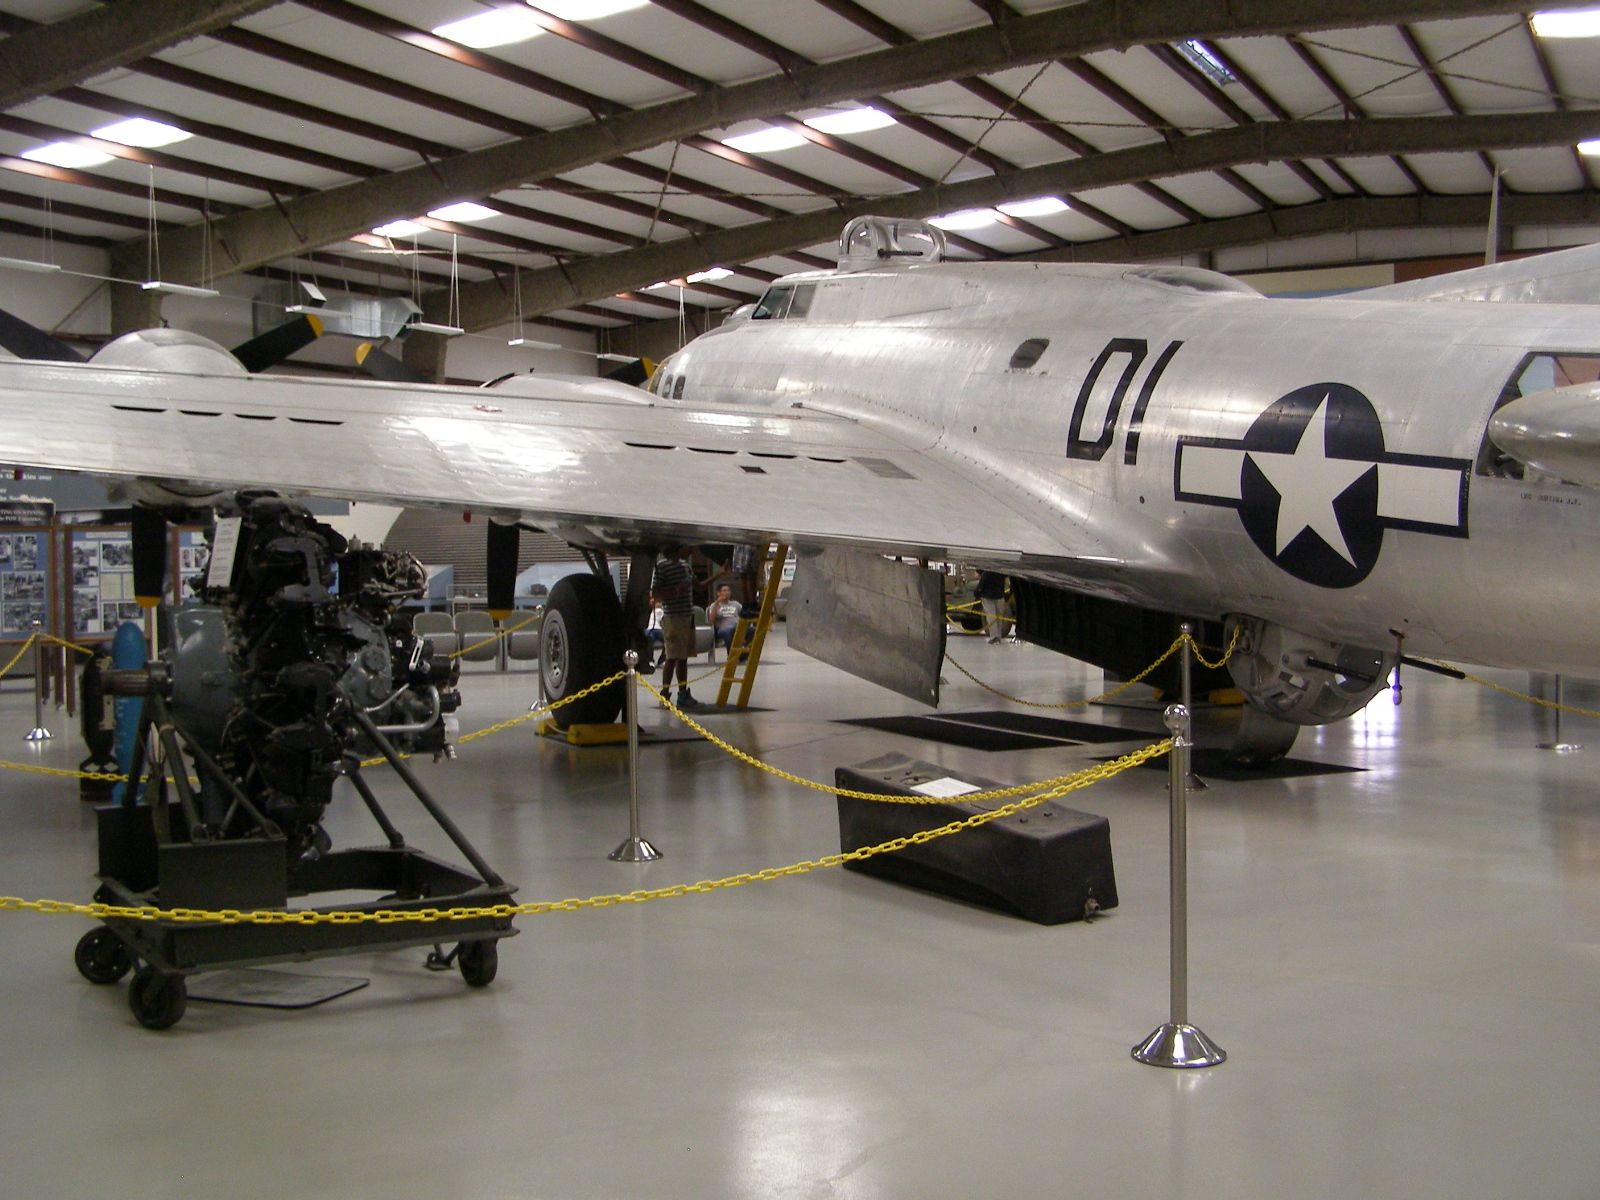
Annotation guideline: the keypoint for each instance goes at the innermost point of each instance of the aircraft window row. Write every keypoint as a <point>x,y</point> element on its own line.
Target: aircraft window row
<point>1537,372</point>
<point>785,302</point>
<point>194,412</point>
<point>1027,354</point>
<point>668,387</point>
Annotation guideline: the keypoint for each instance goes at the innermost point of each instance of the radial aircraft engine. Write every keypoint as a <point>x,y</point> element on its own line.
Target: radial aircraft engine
<point>1131,445</point>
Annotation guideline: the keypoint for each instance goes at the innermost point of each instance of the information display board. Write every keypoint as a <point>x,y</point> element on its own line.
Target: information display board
<point>25,580</point>
<point>102,580</point>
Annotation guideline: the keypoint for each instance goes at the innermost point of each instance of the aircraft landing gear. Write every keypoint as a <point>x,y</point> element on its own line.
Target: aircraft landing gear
<point>580,643</point>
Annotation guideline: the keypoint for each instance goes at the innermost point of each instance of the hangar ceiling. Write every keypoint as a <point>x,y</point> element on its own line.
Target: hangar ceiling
<point>583,175</point>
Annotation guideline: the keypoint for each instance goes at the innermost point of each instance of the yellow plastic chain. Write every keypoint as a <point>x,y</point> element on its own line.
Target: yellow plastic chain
<point>1121,687</point>
<point>1505,691</point>
<point>233,916</point>
<point>17,657</point>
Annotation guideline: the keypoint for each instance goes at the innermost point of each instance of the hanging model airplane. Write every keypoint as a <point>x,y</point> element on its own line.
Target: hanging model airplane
<point>1126,443</point>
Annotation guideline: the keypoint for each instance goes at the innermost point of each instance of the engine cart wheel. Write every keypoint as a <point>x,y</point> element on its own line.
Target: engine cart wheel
<point>478,961</point>
<point>580,643</point>
<point>101,957</point>
<point>157,1000</point>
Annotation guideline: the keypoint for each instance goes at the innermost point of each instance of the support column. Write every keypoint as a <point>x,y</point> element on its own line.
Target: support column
<point>426,353</point>
<point>133,308</point>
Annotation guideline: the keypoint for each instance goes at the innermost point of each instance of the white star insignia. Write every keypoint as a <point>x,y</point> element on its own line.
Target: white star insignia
<point>1308,484</point>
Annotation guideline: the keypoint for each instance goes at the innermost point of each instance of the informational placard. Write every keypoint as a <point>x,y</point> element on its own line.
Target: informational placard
<point>192,558</point>
<point>224,546</point>
<point>945,786</point>
<point>25,591</point>
<point>102,581</point>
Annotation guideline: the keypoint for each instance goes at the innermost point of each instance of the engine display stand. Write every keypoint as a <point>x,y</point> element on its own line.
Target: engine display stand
<point>151,856</point>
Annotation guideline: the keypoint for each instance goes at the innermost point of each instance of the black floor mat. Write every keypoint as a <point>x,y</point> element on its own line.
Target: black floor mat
<point>999,730</point>
<point>1212,765</point>
<point>1051,727</point>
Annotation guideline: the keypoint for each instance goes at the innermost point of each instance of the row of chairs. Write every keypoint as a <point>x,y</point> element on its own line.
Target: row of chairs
<point>471,634</point>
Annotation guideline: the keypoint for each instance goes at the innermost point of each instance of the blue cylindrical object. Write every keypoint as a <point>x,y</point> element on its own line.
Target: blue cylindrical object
<point>127,651</point>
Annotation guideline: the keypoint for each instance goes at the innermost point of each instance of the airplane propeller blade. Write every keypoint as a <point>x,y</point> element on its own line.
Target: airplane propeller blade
<point>502,568</point>
<point>636,372</point>
<point>386,367</point>
<point>278,343</point>
<point>28,341</point>
<point>149,555</point>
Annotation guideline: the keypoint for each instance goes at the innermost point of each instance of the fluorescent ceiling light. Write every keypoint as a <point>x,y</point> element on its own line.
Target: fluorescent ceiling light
<point>67,154</point>
<point>436,327</point>
<point>587,10</point>
<point>852,120</point>
<point>764,141</point>
<point>1590,149</point>
<point>607,356</point>
<point>137,131</point>
<point>465,211</point>
<point>1039,206</point>
<point>1204,59</point>
<point>496,27</point>
<point>709,275</point>
<point>971,218</point>
<point>1576,23</point>
<point>178,289</point>
<point>530,344</point>
<point>398,229</point>
<point>660,283</point>
<point>28,264</point>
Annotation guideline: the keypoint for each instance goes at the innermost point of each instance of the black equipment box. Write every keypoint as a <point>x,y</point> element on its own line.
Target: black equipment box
<point>1048,864</point>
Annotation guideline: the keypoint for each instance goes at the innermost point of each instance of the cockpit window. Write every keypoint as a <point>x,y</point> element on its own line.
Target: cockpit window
<point>1537,372</point>
<point>787,301</point>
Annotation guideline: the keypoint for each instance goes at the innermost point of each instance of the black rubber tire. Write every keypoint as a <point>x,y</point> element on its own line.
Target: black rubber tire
<point>158,1001</point>
<point>971,622</point>
<point>479,962</point>
<point>580,643</point>
<point>101,957</point>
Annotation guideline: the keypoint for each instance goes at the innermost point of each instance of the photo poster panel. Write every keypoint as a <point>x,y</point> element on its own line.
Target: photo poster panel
<point>101,593</point>
<point>27,591</point>
<point>100,562</point>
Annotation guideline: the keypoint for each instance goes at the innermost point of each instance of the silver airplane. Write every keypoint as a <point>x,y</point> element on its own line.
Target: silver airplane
<point>1405,471</point>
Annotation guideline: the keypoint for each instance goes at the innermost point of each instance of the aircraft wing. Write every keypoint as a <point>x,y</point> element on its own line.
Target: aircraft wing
<point>565,453</point>
<point>1555,431</point>
<point>1561,277</point>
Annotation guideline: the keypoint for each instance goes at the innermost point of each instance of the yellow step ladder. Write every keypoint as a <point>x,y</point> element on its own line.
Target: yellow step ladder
<point>750,634</point>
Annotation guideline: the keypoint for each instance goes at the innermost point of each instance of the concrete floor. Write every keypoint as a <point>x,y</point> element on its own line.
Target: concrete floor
<point>1402,964</point>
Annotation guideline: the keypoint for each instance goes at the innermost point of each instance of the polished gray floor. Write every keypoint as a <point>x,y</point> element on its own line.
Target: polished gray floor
<point>1403,964</point>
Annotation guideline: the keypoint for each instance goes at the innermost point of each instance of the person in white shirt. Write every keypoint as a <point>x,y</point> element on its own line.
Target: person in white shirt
<point>723,615</point>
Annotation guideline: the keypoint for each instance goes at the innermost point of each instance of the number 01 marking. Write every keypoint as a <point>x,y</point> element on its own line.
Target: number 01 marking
<point>1093,449</point>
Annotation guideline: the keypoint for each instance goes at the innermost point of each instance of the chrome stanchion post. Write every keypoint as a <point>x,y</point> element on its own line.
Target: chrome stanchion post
<point>1192,781</point>
<point>634,848</point>
<point>38,733</point>
<point>1178,1043</point>
<point>1558,743</point>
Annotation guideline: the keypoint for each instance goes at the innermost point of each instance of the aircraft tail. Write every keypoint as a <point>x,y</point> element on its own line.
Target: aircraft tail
<point>1560,277</point>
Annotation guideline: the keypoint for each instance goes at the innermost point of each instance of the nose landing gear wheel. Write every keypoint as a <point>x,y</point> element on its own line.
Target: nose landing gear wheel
<point>101,957</point>
<point>158,1001</point>
<point>580,643</point>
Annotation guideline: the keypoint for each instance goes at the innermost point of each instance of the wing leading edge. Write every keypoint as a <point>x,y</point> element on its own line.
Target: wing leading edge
<point>584,453</point>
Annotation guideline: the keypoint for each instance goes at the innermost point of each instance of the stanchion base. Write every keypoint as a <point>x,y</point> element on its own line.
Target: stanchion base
<point>634,849</point>
<point>1560,747</point>
<point>40,734</point>
<point>1196,784</point>
<point>1179,1046</point>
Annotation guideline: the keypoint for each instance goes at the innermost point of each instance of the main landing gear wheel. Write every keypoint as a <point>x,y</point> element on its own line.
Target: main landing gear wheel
<point>101,957</point>
<point>580,643</point>
<point>479,962</point>
<point>157,1000</point>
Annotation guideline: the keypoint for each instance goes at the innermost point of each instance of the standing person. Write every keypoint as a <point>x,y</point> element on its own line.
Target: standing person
<point>674,589</point>
<point>991,590</point>
<point>652,629</point>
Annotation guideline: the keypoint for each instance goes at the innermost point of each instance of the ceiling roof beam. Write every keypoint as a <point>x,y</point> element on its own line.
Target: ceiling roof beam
<point>1558,97</point>
<point>266,234</point>
<point>1441,86</point>
<point>549,289</point>
<point>1352,107</point>
<point>42,59</point>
